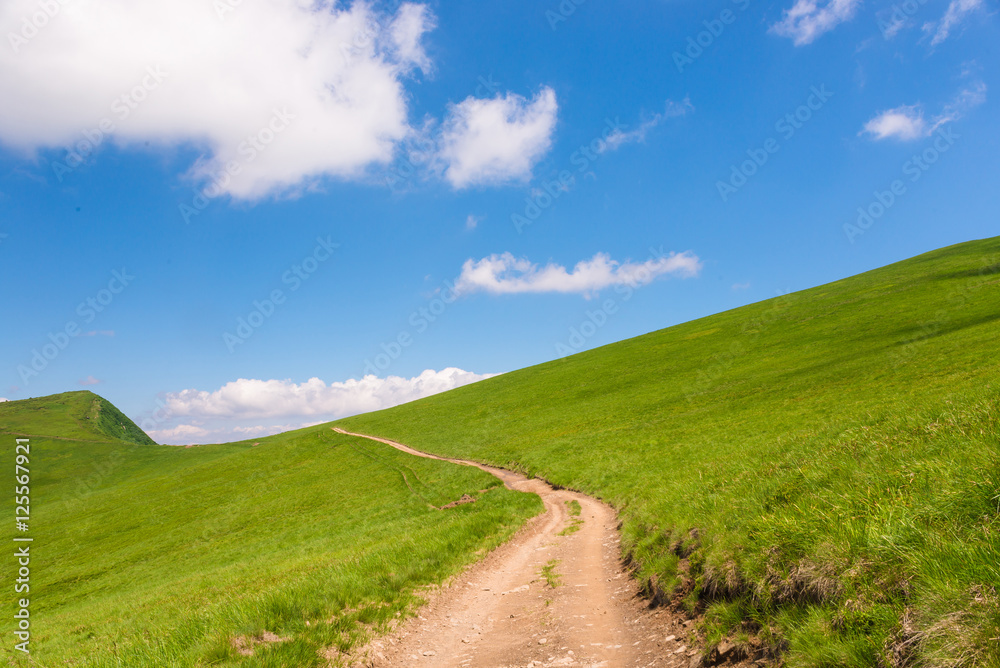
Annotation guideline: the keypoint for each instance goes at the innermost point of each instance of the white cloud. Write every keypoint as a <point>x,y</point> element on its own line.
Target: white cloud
<point>498,140</point>
<point>407,31</point>
<point>245,398</point>
<point>807,20</point>
<point>907,123</point>
<point>891,28</point>
<point>741,286</point>
<point>3,400</point>
<point>183,432</point>
<point>505,274</point>
<point>89,380</point>
<point>967,99</point>
<point>617,138</point>
<point>471,222</point>
<point>954,15</point>
<point>336,72</point>
<point>248,408</point>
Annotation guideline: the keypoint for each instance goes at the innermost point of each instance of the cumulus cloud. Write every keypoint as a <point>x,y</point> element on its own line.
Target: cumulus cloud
<point>497,140</point>
<point>809,19</point>
<point>193,434</point>
<point>330,76</point>
<point>907,122</point>
<point>250,408</point>
<point>3,400</point>
<point>89,380</point>
<point>619,137</point>
<point>283,398</point>
<point>957,11</point>
<point>185,433</point>
<point>505,274</point>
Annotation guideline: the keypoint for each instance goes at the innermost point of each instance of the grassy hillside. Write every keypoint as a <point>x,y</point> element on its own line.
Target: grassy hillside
<point>75,415</point>
<point>159,556</point>
<point>818,473</point>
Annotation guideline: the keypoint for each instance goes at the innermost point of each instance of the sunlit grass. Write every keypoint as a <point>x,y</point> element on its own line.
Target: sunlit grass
<point>819,473</point>
<point>162,556</point>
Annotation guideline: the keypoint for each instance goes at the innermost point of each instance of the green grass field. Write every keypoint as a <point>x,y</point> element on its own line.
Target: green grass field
<point>161,556</point>
<point>819,474</point>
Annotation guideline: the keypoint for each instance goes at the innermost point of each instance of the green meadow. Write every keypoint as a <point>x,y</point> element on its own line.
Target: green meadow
<point>818,475</point>
<point>161,556</point>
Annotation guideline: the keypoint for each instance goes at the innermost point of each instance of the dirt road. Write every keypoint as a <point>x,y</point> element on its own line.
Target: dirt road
<point>554,595</point>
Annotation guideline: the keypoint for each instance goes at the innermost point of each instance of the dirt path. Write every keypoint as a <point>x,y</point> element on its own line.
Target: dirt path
<point>504,612</point>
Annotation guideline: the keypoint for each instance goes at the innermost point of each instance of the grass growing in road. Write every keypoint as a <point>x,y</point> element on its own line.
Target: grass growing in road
<point>819,472</point>
<point>574,509</point>
<point>160,556</point>
<point>552,578</point>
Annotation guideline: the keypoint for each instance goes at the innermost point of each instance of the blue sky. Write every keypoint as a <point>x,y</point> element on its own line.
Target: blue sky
<point>461,188</point>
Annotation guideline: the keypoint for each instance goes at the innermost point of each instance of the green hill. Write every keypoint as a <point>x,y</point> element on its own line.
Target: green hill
<point>147,555</point>
<point>75,415</point>
<point>818,473</point>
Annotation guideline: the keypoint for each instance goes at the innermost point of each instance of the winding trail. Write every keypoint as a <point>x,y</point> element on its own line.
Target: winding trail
<point>503,612</point>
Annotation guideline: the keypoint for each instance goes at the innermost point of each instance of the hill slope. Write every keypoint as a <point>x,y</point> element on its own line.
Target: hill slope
<point>818,473</point>
<point>155,556</point>
<point>75,415</point>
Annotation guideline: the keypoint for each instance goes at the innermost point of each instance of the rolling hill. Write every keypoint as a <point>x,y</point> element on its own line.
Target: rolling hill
<point>818,473</point>
<point>284,551</point>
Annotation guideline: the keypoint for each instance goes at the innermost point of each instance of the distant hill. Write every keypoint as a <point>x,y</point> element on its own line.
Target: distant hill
<point>79,415</point>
